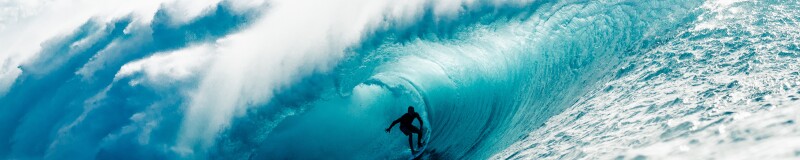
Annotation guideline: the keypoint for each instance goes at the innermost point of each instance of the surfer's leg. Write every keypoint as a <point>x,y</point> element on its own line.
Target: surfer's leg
<point>411,145</point>
<point>419,139</point>
<point>419,135</point>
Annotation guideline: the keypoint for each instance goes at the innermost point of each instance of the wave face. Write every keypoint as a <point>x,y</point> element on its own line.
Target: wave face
<point>301,79</point>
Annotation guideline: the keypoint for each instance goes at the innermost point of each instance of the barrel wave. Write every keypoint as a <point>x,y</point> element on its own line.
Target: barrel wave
<point>305,79</point>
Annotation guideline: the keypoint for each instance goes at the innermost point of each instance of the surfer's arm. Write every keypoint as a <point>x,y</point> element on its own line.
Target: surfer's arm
<point>393,123</point>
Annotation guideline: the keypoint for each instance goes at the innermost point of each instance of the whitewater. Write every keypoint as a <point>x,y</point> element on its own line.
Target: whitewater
<point>322,79</point>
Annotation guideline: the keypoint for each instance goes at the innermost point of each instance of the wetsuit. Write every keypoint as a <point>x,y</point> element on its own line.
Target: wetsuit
<point>407,128</point>
<point>405,123</point>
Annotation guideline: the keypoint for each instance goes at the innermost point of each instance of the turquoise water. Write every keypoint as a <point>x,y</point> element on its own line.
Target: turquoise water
<point>500,80</point>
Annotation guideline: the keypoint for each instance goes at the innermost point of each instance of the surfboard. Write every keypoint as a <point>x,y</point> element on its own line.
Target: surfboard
<point>419,152</point>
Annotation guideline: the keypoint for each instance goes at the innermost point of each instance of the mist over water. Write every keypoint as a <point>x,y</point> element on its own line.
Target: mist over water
<point>302,79</point>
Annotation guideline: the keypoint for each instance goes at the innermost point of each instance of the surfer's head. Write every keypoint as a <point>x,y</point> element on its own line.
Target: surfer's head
<point>410,109</point>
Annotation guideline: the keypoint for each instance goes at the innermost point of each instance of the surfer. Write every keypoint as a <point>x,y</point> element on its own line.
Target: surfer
<point>407,128</point>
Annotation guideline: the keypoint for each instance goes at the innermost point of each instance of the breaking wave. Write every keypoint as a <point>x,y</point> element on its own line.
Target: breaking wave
<point>311,80</point>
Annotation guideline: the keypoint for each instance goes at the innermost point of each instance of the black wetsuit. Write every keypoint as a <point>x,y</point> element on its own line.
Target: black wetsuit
<point>405,123</point>
<point>409,129</point>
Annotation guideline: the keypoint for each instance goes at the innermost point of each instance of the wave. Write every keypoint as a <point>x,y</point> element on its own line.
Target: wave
<point>311,80</point>
<point>481,88</point>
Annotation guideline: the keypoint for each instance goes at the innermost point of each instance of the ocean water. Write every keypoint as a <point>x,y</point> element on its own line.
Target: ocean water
<point>305,79</point>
